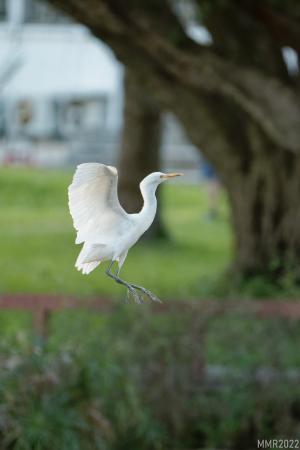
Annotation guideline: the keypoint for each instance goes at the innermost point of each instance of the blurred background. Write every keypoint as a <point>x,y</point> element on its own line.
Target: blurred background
<point>208,88</point>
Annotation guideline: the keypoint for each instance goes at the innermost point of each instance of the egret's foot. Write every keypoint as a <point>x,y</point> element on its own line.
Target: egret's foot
<point>130,289</point>
<point>149,294</point>
<point>137,298</point>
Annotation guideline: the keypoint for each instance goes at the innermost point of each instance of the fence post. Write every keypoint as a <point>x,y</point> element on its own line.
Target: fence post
<point>41,318</point>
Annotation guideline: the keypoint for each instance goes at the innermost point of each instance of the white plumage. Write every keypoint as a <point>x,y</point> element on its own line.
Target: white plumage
<point>105,229</point>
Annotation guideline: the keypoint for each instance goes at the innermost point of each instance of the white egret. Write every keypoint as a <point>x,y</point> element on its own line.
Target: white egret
<point>105,229</point>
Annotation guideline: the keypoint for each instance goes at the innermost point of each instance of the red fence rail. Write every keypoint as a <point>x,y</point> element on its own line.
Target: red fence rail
<point>42,306</point>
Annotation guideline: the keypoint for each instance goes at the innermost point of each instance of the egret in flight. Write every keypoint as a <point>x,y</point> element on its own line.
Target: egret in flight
<point>105,229</point>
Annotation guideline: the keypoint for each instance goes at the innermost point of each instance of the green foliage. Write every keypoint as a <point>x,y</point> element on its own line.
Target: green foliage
<point>137,383</point>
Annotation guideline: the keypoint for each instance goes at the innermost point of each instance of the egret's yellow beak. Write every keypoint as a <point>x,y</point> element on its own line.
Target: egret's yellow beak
<point>171,175</point>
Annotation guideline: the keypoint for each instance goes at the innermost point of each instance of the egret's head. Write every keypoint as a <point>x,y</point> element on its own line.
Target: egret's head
<point>155,178</point>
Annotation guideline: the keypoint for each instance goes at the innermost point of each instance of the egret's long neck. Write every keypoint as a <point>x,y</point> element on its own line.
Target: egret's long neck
<point>148,211</point>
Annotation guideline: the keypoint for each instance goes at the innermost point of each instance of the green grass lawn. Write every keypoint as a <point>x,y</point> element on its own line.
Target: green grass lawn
<point>38,250</point>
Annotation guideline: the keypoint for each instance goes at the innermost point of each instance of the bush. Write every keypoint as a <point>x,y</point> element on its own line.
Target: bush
<point>135,383</point>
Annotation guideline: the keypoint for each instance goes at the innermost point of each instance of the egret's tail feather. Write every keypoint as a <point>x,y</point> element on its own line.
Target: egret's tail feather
<point>86,268</point>
<point>89,257</point>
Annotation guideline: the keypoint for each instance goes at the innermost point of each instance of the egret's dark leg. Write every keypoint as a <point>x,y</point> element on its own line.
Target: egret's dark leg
<point>130,288</point>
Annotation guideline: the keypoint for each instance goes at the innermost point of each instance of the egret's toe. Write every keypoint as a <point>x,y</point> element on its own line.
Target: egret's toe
<point>149,294</point>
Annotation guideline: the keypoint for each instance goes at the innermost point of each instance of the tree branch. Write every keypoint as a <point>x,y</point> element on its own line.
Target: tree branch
<point>140,41</point>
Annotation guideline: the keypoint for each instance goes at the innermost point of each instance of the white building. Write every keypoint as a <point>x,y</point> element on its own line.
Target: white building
<point>58,63</point>
<point>61,91</point>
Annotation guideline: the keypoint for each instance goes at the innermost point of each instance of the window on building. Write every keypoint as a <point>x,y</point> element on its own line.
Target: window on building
<point>3,10</point>
<point>84,114</point>
<point>37,11</point>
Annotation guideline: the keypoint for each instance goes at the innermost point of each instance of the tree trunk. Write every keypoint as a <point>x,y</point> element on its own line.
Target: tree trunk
<point>140,153</point>
<point>265,209</point>
<point>263,183</point>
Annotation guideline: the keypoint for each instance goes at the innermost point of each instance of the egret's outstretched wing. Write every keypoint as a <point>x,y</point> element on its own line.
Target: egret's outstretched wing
<point>94,204</point>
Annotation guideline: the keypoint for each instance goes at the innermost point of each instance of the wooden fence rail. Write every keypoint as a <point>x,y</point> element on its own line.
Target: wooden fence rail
<point>42,306</point>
